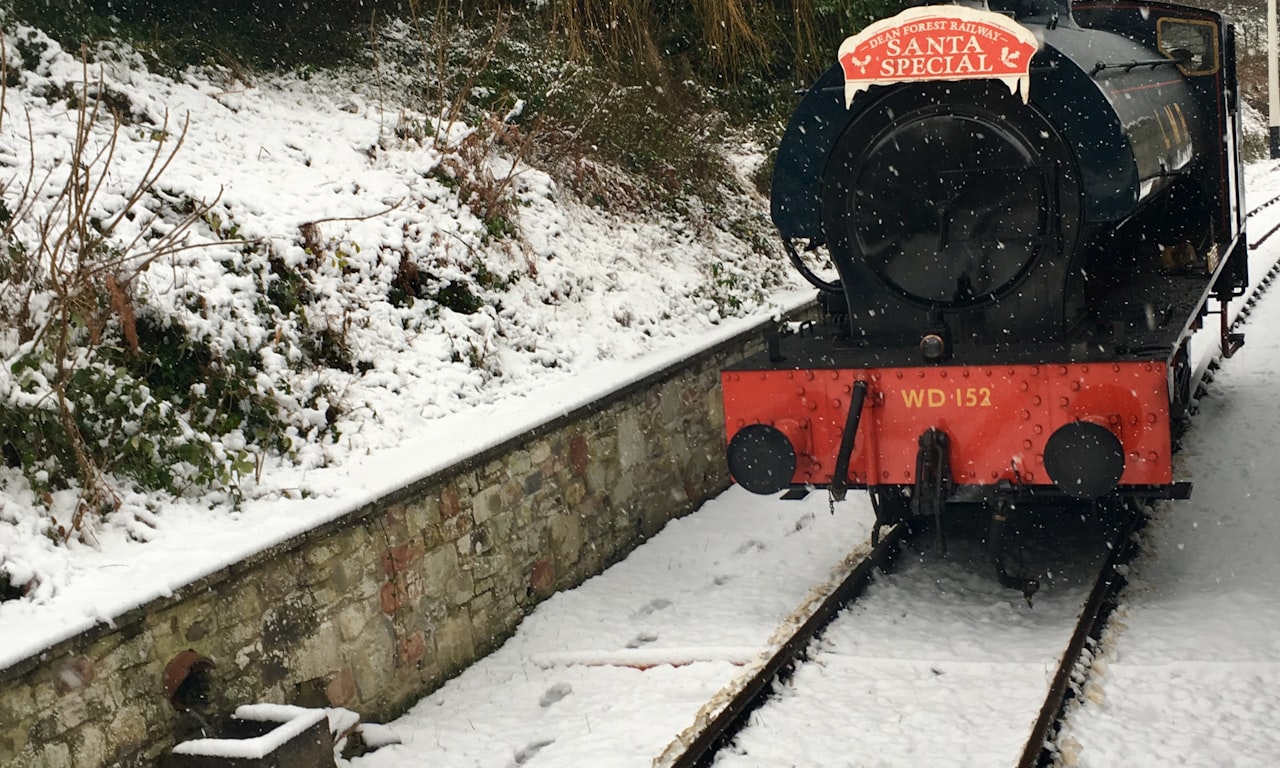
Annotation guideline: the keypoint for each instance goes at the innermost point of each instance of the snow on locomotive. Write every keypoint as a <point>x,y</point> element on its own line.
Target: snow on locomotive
<point>1031,206</point>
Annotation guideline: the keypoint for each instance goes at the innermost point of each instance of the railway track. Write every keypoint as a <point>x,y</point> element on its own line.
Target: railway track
<point>1261,283</point>
<point>874,656</point>
<point>722,738</point>
<point>1259,209</point>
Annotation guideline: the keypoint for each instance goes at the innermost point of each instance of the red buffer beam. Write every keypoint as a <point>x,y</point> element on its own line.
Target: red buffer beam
<point>1001,421</point>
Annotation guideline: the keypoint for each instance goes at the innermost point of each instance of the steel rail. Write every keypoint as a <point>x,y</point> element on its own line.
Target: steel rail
<point>1102,600</point>
<point>1259,208</point>
<point>726,723</point>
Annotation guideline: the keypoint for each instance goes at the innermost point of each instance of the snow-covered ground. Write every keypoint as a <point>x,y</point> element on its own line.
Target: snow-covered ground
<point>595,300</point>
<point>610,673</point>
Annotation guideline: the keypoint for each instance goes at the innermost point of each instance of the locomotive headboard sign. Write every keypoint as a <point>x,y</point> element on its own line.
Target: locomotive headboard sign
<point>939,42</point>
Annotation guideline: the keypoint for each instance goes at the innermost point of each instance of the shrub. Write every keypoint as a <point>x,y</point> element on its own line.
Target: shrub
<point>95,384</point>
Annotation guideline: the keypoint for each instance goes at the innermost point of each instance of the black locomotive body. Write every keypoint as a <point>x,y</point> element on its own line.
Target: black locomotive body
<point>1018,280</point>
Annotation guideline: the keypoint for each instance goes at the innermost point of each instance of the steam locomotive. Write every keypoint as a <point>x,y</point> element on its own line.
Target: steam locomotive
<point>1030,206</point>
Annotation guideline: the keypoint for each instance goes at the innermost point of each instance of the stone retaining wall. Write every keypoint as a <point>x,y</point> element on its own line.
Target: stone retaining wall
<point>379,608</point>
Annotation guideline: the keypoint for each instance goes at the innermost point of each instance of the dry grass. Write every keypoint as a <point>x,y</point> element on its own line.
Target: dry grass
<point>730,34</point>
<point>612,28</point>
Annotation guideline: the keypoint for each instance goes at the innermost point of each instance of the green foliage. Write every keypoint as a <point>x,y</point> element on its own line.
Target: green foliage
<point>133,396</point>
<point>457,296</point>
<point>463,294</point>
<point>136,416</point>
<point>287,288</point>
<point>728,287</point>
<point>274,33</point>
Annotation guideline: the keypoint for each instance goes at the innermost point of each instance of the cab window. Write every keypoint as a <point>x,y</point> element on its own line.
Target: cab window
<point>1192,43</point>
